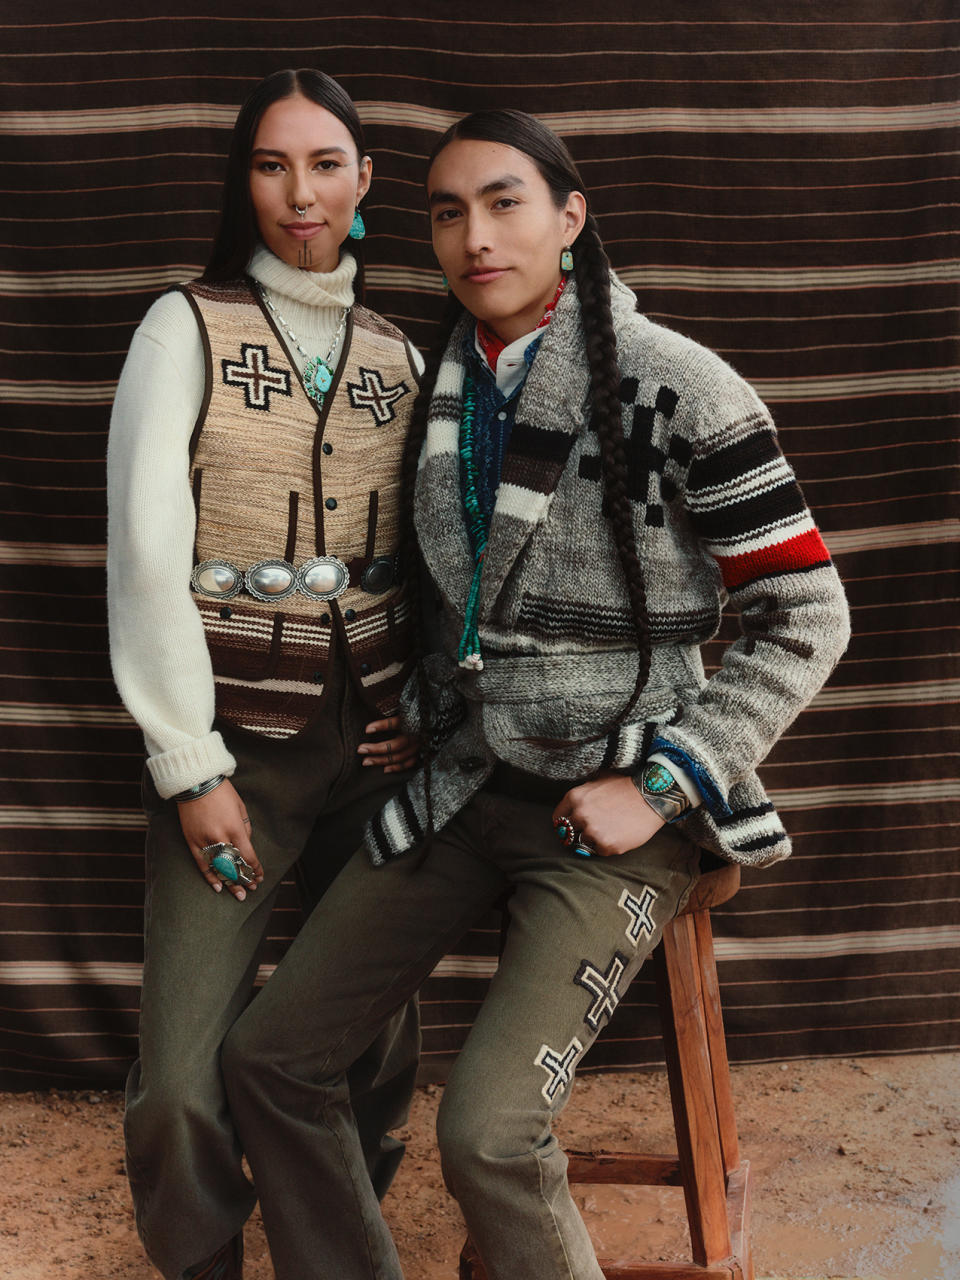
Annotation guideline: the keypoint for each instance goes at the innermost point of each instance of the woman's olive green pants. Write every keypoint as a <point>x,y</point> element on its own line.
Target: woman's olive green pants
<point>307,799</point>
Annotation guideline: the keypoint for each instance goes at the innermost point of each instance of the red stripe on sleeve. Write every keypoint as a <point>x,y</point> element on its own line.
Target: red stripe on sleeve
<point>801,552</point>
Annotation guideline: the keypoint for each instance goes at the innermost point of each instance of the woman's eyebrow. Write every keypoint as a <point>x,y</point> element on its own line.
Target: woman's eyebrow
<point>320,151</point>
<point>505,183</point>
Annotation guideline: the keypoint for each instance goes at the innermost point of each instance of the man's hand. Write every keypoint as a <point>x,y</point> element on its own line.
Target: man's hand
<point>609,814</point>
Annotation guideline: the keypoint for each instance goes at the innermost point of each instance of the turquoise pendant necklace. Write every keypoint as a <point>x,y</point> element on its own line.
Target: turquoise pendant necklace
<point>317,373</point>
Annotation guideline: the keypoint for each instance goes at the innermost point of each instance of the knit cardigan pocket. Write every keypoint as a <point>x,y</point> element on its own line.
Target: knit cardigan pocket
<point>568,736</point>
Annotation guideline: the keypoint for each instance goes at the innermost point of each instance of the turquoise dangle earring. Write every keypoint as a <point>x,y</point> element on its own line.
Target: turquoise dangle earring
<point>444,282</point>
<point>357,229</point>
<point>566,258</point>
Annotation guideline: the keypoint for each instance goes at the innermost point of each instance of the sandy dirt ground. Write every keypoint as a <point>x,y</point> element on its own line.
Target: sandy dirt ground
<point>856,1168</point>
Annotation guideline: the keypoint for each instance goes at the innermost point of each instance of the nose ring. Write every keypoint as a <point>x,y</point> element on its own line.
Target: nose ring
<point>302,212</point>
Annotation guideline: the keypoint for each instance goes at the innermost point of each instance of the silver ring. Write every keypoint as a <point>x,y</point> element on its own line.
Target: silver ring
<point>302,212</point>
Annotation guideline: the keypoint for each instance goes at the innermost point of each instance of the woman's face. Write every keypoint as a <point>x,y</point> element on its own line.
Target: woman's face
<point>498,234</point>
<point>304,156</point>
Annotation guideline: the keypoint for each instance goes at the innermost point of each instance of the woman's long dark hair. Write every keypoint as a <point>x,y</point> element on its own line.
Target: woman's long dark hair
<point>591,267</point>
<point>237,232</point>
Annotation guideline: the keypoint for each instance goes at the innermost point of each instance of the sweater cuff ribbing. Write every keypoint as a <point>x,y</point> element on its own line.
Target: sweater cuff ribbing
<point>183,767</point>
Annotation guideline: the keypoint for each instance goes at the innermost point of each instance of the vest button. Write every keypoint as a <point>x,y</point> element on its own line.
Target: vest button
<point>349,614</point>
<point>364,668</point>
<point>325,619</point>
<point>327,448</point>
<point>226,612</point>
<point>318,677</point>
<point>331,504</point>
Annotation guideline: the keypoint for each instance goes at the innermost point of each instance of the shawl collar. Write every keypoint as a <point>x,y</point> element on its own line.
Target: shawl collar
<point>551,412</point>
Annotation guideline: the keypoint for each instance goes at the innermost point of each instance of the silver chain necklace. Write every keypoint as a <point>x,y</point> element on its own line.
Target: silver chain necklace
<point>317,373</point>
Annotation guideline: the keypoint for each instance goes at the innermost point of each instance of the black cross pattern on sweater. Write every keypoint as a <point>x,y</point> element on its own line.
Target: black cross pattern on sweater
<point>373,395</point>
<point>255,376</point>
<point>602,986</point>
<point>643,456</point>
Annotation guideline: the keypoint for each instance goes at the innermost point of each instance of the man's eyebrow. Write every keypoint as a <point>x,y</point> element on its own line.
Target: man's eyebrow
<point>506,183</point>
<point>501,184</point>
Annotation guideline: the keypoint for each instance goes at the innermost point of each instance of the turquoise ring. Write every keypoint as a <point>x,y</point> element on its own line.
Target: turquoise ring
<point>229,864</point>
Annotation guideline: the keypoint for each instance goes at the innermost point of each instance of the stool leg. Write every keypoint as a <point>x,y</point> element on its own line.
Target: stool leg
<point>691,1091</point>
<point>716,1041</point>
<point>470,1268</point>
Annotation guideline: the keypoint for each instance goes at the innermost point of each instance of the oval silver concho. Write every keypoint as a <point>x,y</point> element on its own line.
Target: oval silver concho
<point>323,578</point>
<point>271,580</point>
<point>218,578</point>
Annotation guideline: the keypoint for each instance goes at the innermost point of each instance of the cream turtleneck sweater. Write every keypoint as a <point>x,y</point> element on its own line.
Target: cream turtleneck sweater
<point>157,648</point>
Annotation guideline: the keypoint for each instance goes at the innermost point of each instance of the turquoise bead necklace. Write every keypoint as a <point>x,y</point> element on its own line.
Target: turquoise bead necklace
<point>479,526</point>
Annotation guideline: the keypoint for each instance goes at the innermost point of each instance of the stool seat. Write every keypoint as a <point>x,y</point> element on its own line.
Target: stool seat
<point>716,1183</point>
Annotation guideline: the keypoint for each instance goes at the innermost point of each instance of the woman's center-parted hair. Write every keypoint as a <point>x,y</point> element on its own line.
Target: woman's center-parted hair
<point>237,232</point>
<point>556,166</point>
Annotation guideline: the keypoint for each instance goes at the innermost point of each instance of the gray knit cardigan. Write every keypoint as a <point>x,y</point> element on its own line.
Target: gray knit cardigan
<point>718,516</point>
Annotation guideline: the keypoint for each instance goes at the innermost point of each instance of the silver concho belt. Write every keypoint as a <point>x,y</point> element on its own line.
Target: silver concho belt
<point>322,578</point>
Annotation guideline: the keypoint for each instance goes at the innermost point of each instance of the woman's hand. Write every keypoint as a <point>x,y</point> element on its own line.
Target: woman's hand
<point>219,817</point>
<point>395,754</point>
<point>610,814</point>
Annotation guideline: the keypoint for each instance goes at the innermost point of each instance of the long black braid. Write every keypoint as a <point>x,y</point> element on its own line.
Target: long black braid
<point>593,284</point>
<point>411,569</point>
<point>555,164</point>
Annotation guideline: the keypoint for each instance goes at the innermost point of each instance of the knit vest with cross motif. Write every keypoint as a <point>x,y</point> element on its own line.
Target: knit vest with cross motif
<point>274,478</point>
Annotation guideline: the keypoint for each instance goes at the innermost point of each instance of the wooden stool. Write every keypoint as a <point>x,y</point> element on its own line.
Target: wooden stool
<point>716,1185</point>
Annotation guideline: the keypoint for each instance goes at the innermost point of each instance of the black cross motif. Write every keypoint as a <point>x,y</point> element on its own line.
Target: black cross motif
<point>559,1067</point>
<point>643,456</point>
<point>603,987</point>
<point>638,909</point>
<point>256,377</point>
<point>373,395</point>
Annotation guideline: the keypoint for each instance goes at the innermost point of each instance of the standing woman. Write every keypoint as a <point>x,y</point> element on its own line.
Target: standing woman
<point>589,489</point>
<point>259,634</point>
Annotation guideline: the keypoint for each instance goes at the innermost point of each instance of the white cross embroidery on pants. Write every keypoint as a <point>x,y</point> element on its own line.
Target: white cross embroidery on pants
<point>603,987</point>
<point>638,909</point>
<point>559,1067</point>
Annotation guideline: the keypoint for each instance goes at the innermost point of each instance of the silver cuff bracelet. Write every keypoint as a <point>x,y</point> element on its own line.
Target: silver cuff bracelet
<point>201,789</point>
<point>662,792</point>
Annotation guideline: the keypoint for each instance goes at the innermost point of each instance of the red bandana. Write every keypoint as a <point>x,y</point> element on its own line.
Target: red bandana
<point>490,344</point>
